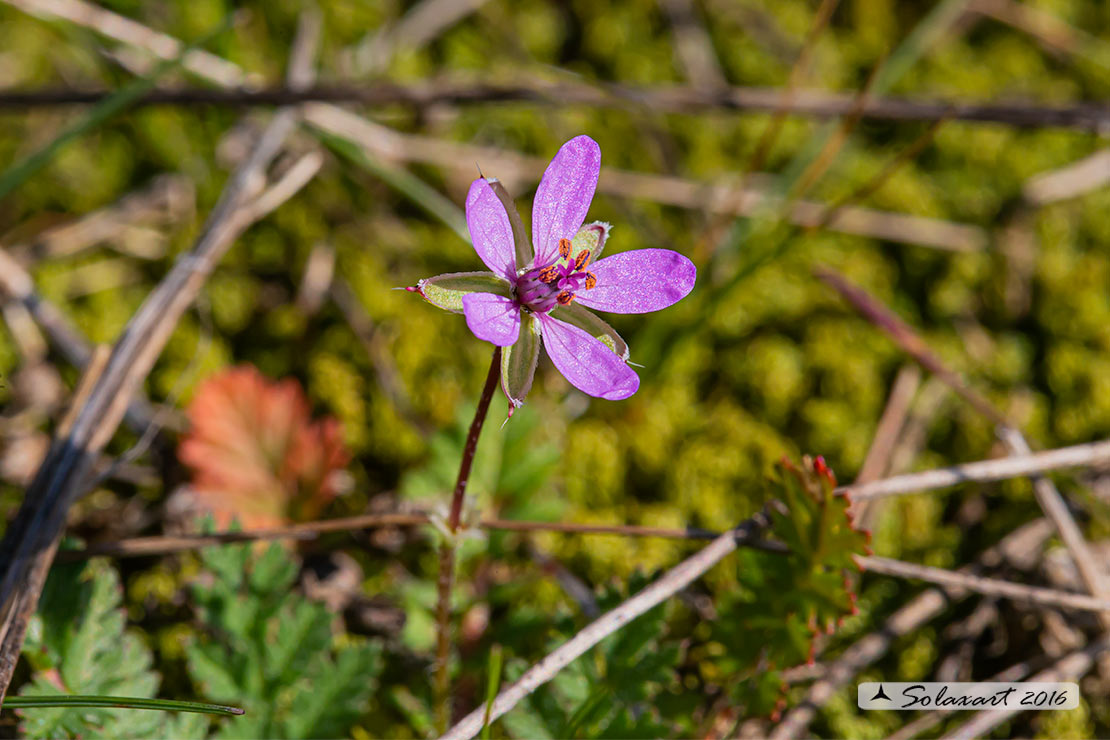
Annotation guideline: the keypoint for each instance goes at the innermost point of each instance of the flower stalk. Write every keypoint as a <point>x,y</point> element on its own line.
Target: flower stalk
<point>446,581</point>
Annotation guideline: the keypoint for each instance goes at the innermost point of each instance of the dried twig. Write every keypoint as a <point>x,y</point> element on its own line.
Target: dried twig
<point>1093,117</point>
<point>917,612</point>
<point>1068,668</point>
<point>693,45</point>
<point>29,544</point>
<point>670,583</point>
<point>1076,179</point>
<point>954,581</point>
<point>1047,496</point>
<point>17,286</point>
<point>1017,466</point>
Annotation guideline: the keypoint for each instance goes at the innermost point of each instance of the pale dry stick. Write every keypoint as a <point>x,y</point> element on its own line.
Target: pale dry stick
<point>416,28</point>
<point>1049,499</point>
<point>693,46</point>
<point>1003,468</point>
<point>1077,178</point>
<point>954,582</point>
<point>877,460</point>
<point>29,544</point>
<point>199,62</point>
<point>165,200</point>
<point>666,586</point>
<point>1051,30</point>
<point>17,285</point>
<point>515,169</point>
<point>1068,668</point>
<point>931,719</point>
<point>667,190</point>
<point>922,608</point>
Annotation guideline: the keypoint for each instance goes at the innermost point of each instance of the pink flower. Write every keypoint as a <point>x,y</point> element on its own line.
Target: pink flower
<point>539,289</point>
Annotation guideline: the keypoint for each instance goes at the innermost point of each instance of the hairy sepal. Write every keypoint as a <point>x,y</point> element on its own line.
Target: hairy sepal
<point>592,236</point>
<point>446,291</point>
<point>518,362</point>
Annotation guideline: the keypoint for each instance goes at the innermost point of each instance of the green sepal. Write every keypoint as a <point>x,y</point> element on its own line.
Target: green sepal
<point>522,245</point>
<point>588,321</point>
<point>592,237</point>
<point>518,362</point>
<point>446,291</point>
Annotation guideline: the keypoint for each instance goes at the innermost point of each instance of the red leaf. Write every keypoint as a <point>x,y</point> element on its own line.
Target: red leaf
<point>255,452</point>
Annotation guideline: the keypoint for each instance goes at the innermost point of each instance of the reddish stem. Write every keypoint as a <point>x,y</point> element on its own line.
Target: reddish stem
<point>446,580</point>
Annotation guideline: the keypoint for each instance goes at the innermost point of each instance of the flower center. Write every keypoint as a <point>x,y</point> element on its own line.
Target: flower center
<point>543,288</point>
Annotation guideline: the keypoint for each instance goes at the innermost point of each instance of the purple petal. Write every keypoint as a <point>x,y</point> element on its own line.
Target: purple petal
<point>589,365</point>
<point>564,196</point>
<point>490,229</point>
<point>639,281</point>
<point>492,318</point>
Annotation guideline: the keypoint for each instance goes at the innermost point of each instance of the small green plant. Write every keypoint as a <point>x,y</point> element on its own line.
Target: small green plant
<point>78,643</point>
<point>273,652</point>
<point>614,691</point>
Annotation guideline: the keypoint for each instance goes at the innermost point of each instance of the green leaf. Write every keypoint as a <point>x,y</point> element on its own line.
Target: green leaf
<point>522,244</point>
<point>587,320</point>
<point>493,680</point>
<point>88,672</point>
<point>120,702</point>
<point>518,362</point>
<point>447,291</point>
<point>273,650</point>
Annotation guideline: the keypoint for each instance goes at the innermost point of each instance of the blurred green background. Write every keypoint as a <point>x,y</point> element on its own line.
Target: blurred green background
<point>760,361</point>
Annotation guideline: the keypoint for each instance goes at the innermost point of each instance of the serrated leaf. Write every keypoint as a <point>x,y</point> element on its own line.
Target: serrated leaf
<point>518,362</point>
<point>255,452</point>
<point>272,650</point>
<point>446,291</point>
<point>81,631</point>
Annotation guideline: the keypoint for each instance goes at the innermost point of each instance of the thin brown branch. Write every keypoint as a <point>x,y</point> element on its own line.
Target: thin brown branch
<point>878,458</point>
<point>955,581</point>
<point>446,582</point>
<point>682,99</point>
<point>909,341</point>
<point>670,583</point>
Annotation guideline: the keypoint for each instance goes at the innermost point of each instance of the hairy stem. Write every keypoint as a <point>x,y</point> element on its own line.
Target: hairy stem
<point>446,580</point>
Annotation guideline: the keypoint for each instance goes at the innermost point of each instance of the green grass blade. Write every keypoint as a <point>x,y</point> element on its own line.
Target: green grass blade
<point>492,685</point>
<point>115,103</point>
<point>117,702</point>
<point>403,181</point>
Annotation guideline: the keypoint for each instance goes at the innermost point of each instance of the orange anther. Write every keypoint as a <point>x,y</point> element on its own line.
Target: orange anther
<point>565,298</point>
<point>591,280</point>
<point>564,248</point>
<point>582,260</point>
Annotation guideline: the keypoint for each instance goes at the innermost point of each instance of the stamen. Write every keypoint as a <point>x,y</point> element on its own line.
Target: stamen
<point>565,298</point>
<point>581,260</point>
<point>564,248</point>
<point>549,274</point>
<point>591,280</point>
